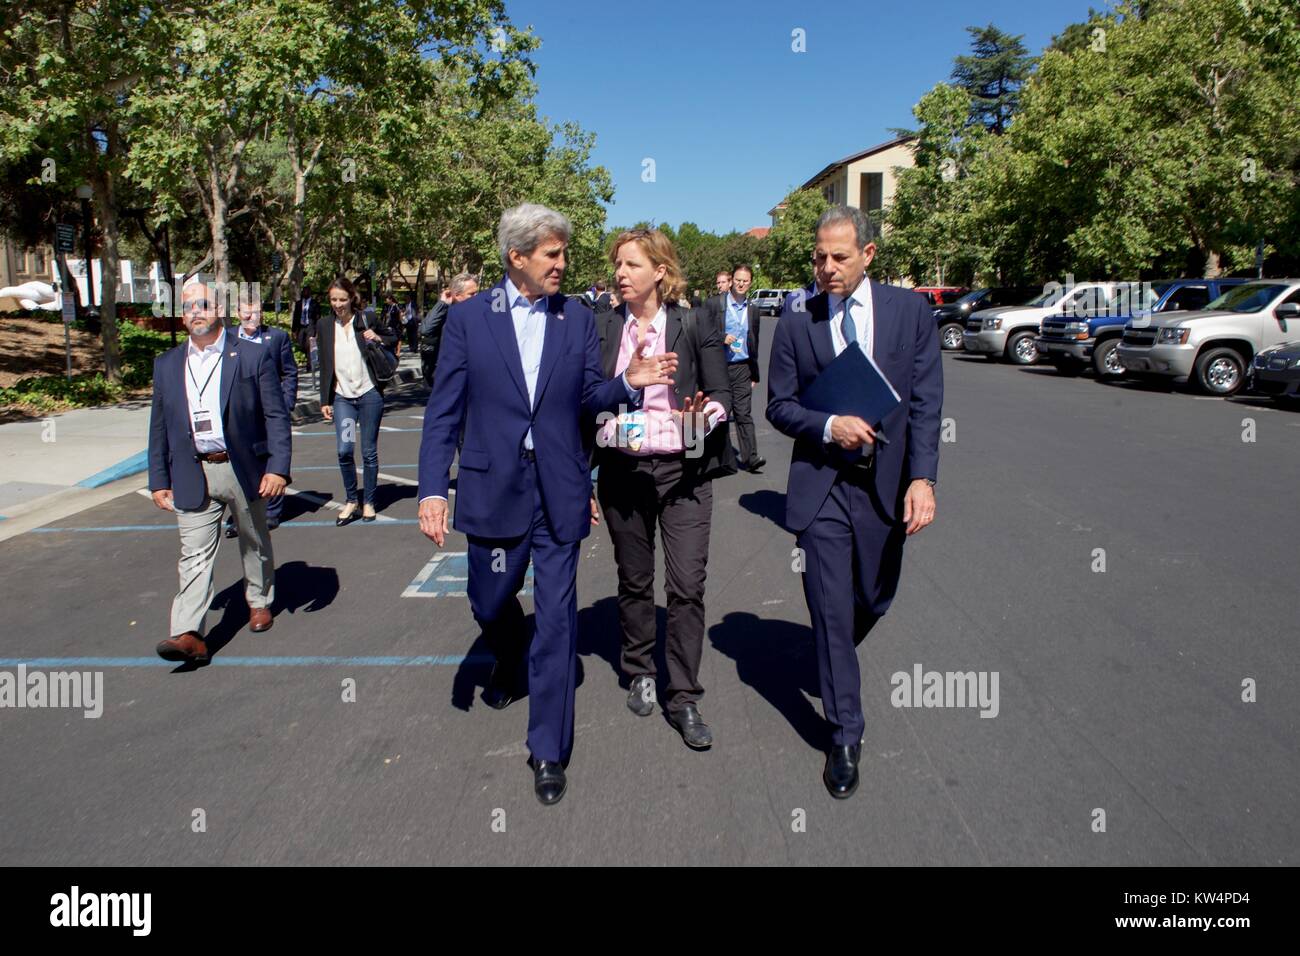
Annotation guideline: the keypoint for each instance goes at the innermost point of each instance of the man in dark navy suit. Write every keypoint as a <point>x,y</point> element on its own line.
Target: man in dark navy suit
<point>277,342</point>
<point>519,370</point>
<point>855,491</point>
<point>306,312</point>
<point>218,437</point>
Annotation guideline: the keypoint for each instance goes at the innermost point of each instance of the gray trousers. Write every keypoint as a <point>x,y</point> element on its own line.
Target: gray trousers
<point>201,536</point>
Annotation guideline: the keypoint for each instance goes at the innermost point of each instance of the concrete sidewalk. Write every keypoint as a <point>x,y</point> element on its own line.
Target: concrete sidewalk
<point>59,463</point>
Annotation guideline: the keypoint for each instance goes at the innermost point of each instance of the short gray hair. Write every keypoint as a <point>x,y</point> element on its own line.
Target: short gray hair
<point>526,226</point>
<point>458,282</point>
<point>838,214</point>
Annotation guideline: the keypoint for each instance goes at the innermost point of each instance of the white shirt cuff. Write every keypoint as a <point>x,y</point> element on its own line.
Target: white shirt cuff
<point>633,394</point>
<point>431,498</point>
<point>826,432</point>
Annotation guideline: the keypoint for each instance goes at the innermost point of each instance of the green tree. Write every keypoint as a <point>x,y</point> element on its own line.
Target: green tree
<point>788,257</point>
<point>992,75</point>
<point>926,238</point>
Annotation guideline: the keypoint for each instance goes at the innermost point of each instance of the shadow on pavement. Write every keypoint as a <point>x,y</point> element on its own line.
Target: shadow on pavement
<point>766,504</point>
<point>777,659</point>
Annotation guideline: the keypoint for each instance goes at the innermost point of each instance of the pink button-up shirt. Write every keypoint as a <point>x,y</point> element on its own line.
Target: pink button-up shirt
<point>661,433</point>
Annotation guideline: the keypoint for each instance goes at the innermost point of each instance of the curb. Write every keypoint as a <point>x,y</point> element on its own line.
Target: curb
<point>123,469</point>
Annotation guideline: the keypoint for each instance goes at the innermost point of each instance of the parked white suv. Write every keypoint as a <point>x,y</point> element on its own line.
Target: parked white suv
<point>1009,332</point>
<point>1214,347</point>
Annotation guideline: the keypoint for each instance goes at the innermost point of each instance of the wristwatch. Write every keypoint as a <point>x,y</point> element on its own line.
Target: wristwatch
<point>929,481</point>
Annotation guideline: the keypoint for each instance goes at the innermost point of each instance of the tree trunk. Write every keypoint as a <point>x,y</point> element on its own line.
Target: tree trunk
<point>220,243</point>
<point>419,287</point>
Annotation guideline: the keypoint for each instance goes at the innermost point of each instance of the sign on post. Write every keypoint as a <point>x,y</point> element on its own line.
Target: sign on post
<point>65,237</point>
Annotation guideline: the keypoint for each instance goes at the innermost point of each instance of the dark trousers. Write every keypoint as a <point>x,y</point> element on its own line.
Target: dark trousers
<point>635,495</point>
<point>742,417</point>
<point>304,343</point>
<point>413,336</point>
<point>426,367</point>
<point>497,567</point>
<point>358,418</point>
<point>852,557</point>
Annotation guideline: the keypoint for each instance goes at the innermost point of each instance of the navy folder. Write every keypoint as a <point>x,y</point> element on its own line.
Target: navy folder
<point>852,385</point>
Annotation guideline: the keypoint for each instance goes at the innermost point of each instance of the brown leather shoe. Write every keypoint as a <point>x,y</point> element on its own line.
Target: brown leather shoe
<point>259,619</point>
<point>187,647</point>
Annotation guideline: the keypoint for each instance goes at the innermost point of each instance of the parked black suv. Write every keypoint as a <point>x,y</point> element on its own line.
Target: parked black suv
<point>952,317</point>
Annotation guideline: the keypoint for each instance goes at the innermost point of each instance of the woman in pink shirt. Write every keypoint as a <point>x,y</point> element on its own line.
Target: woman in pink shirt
<point>656,465</point>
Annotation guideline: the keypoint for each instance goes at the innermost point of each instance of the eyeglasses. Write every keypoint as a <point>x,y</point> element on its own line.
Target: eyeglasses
<point>201,304</point>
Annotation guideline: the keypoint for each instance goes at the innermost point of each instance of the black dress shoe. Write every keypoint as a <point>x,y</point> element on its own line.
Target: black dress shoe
<point>501,691</point>
<point>756,463</point>
<point>548,781</point>
<point>692,727</point>
<point>231,530</point>
<point>272,524</point>
<point>841,773</point>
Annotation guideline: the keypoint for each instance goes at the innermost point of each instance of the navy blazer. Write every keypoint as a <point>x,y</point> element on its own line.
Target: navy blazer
<point>480,386</point>
<point>253,418</point>
<point>277,342</point>
<point>905,345</point>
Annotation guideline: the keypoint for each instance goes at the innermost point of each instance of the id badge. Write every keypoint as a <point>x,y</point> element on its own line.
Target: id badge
<point>631,430</point>
<point>201,419</point>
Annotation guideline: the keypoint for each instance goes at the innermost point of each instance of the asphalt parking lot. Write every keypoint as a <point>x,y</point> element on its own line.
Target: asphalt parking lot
<point>1120,690</point>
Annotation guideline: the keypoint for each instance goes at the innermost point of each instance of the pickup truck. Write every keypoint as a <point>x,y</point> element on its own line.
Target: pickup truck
<point>1214,347</point>
<point>1010,332</point>
<point>1071,343</point>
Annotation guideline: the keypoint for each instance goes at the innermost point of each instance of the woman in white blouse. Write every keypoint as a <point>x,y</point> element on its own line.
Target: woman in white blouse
<point>351,395</point>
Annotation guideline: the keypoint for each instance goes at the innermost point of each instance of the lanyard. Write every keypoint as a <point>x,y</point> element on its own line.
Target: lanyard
<point>207,381</point>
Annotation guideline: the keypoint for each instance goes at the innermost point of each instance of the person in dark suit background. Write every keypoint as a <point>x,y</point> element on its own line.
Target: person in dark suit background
<point>219,438</point>
<point>738,320</point>
<point>393,319</point>
<point>519,373</point>
<point>306,313</point>
<point>348,381</point>
<point>852,500</point>
<point>462,286</point>
<point>602,302</point>
<point>656,466</point>
<point>276,341</point>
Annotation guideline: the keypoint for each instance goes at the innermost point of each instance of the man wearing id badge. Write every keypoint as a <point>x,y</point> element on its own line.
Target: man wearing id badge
<point>218,438</point>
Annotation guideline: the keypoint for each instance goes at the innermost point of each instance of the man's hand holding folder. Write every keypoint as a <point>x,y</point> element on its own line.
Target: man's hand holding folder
<point>853,390</point>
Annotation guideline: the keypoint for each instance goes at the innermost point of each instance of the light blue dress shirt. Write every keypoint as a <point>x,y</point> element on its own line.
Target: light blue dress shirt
<point>738,325</point>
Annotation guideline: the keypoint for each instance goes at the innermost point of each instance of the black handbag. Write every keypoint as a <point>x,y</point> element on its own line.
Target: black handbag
<point>380,359</point>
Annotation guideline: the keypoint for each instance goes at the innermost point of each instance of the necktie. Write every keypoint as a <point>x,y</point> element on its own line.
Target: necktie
<point>847,327</point>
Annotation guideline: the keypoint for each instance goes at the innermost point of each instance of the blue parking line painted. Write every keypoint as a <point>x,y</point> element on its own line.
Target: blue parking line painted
<point>446,575</point>
<point>392,522</point>
<point>55,663</point>
<point>128,466</point>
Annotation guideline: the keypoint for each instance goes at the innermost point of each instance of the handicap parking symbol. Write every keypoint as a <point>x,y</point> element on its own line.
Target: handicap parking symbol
<point>446,575</point>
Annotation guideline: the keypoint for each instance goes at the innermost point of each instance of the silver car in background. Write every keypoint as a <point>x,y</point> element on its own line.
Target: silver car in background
<point>1214,347</point>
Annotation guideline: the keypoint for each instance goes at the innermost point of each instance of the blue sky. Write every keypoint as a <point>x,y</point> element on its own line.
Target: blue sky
<point>733,118</point>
